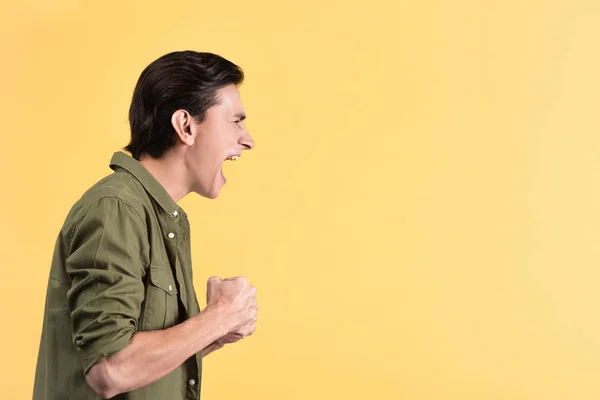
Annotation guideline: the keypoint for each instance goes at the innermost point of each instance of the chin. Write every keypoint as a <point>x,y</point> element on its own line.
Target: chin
<point>213,195</point>
<point>212,190</point>
<point>209,193</point>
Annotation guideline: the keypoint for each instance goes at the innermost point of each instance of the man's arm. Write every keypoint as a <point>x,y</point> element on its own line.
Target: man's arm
<point>231,311</point>
<point>153,355</point>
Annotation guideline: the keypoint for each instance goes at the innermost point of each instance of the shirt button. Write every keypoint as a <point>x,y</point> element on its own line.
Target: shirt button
<point>171,235</point>
<point>192,382</point>
<point>170,288</point>
<point>175,213</point>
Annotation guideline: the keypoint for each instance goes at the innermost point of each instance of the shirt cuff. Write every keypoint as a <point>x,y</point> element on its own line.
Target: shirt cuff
<point>104,347</point>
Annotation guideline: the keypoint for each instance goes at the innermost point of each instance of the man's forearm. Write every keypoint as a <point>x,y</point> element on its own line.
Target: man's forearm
<point>153,355</point>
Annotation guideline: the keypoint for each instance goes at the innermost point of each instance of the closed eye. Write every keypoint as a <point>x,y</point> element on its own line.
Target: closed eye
<point>240,117</point>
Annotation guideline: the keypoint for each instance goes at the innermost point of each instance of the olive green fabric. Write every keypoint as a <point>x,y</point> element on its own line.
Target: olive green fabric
<point>121,264</point>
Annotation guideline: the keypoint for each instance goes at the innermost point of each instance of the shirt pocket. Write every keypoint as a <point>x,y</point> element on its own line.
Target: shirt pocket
<point>161,307</point>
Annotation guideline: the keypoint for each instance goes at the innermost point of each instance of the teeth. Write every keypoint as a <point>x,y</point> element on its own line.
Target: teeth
<point>234,158</point>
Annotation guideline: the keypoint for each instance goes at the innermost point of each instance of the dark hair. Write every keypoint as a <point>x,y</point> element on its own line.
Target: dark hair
<point>180,80</point>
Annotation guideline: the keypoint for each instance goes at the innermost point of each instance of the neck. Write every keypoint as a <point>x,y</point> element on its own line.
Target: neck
<point>170,172</point>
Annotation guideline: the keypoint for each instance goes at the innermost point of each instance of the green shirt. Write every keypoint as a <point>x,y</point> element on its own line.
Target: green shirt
<point>121,264</point>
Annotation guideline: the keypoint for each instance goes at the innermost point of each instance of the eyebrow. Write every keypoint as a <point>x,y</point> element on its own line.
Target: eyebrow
<point>240,116</point>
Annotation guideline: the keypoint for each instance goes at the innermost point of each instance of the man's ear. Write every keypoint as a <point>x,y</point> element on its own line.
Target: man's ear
<point>182,121</point>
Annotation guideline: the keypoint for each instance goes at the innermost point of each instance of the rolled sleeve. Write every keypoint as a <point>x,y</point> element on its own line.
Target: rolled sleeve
<point>109,253</point>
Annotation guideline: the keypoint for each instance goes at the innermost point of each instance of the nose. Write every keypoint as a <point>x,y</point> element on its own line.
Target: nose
<point>247,141</point>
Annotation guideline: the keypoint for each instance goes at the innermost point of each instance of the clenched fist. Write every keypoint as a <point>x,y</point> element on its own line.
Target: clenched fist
<point>237,301</point>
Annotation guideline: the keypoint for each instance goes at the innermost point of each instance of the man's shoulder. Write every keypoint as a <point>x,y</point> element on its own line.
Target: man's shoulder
<point>117,187</point>
<point>120,185</point>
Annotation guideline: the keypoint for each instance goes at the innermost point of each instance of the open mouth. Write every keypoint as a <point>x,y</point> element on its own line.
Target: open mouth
<point>233,157</point>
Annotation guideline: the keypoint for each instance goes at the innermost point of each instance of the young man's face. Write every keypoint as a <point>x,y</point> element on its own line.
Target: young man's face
<point>221,136</point>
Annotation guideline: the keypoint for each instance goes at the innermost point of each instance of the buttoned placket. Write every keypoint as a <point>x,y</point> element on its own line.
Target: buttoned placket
<point>173,241</point>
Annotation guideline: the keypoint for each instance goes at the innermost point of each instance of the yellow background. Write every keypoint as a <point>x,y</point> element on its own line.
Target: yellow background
<point>421,213</point>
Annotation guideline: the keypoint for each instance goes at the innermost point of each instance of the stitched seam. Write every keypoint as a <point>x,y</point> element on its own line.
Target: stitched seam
<point>108,196</point>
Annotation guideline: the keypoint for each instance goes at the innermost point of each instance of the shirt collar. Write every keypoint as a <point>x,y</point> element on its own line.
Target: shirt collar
<point>152,186</point>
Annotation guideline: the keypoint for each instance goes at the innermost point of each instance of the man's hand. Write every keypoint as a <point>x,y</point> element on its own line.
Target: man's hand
<point>237,299</point>
<point>238,335</point>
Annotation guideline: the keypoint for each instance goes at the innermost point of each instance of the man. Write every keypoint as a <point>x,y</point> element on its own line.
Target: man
<point>121,317</point>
